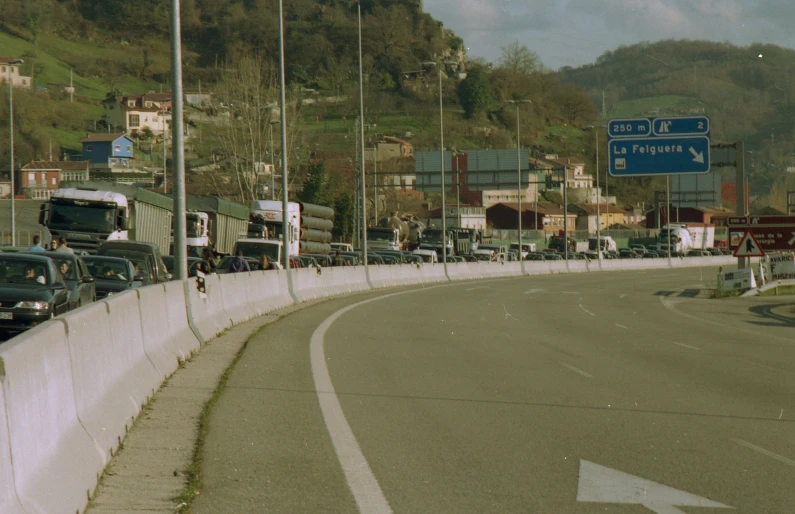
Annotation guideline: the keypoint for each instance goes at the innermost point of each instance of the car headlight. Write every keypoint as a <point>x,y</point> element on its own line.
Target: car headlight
<point>37,306</point>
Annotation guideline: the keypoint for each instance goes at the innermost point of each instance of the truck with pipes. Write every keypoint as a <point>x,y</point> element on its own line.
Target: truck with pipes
<point>684,237</point>
<point>89,213</point>
<point>308,229</point>
<point>215,223</point>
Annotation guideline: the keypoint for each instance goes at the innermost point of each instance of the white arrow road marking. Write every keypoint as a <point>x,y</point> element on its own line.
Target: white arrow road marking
<point>576,370</point>
<point>584,309</point>
<point>685,345</point>
<point>531,291</point>
<point>792,240</point>
<point>761,450</point>
<point>697,156</point>
<point>600,484</point>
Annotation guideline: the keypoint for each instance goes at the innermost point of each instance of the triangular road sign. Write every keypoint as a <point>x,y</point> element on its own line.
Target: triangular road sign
<point>600,484</point>
<point>748,246</point>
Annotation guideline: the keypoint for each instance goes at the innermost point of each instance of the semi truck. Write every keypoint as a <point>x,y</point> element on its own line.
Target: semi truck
<point>214,222</point>
<point>91,213</point>
<point>685,237</point>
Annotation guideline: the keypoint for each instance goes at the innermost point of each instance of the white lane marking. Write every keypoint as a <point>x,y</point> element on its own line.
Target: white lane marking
<point>362,482</point>
<point>531,291</point>
<point>620,296</point>
<point>579,303</point>
<point>600,484</point>
<point>567,292</point>
<point>479,287</point>
<point>576,370</point>
<point>686,346</point>
<point>764,452</point>
<point>619,325</point>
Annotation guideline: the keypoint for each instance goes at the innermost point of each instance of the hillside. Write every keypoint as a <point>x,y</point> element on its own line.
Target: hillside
<point>748,92</point>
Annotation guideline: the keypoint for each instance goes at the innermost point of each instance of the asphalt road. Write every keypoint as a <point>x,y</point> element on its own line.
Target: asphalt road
<point>602,392</point>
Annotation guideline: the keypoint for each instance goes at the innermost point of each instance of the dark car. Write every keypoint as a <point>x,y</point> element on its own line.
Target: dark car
<point>627,253</point>
<point>535,256</point>
<point>194,265</point>
<point>79,282</point>
<point>223,264</point>
<point>32,291</point>
<point>146,258</point>
<point>112,275</point>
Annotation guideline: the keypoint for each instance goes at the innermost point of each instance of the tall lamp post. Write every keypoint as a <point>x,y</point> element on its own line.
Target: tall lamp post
<point>441,158</point>
<point>598,197</point>
<point>11,148</point>
<point>519,174</point>
<point>361,149</point>
<point>273,160</point>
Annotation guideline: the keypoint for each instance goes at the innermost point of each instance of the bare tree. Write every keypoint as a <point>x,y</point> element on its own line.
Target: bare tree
<point>249,91</point>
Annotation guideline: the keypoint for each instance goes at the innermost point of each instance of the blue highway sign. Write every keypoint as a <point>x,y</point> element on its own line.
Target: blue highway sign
<point>640,127</point>
<point>658,156</point>
<point>697,126</point>
<point>658,146</point>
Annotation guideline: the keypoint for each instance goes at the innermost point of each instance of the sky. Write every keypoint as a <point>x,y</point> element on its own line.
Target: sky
<point>576,32</point>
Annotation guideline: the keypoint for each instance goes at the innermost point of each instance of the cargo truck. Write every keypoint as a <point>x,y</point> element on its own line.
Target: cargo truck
<point>214,222</point>
<point>94,212</point>
<point>685,237</point>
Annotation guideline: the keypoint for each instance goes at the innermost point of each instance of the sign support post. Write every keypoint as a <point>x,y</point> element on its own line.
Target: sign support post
<point>740,183</point>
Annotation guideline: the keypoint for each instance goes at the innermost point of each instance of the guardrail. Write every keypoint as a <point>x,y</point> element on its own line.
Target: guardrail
<point>72,387</point>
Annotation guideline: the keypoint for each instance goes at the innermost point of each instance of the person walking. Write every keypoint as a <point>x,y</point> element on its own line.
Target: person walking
<point>36,245</point>
<point>62,247</point>
<point>238,264</point>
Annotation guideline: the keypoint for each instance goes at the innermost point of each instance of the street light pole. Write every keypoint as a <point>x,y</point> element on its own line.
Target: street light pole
<point>598,198</point>
<point>519,176</point>
<point>286,223</point>
<point>11,131</point>
<point>361,149</point>
<point>178,146</point>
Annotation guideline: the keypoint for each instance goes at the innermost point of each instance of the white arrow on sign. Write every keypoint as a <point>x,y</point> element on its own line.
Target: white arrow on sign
<point>600,484</point>
<point>697,156</point>
<point>792,240</point>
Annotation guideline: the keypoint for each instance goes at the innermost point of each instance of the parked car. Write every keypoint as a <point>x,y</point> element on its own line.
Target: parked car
<point>651,254</point>
<point>79,282</point>
<point>627,253</point>
<point>714,251</point>
<point>223,264</point>
<point>32,290</point>
<point>535,256</point>
<point>698,253</point>
<point>112,275</point>
<point>639,249</point>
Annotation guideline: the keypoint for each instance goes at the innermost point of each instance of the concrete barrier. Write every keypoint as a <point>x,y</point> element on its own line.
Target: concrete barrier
<point>111,372</point>
<point>235,297</point>
<point>157,337</point>
<point>184,341</point>
<point>269,291</point>
<point>9,503</point>
<point>208,312</point>
<point>56,464</point>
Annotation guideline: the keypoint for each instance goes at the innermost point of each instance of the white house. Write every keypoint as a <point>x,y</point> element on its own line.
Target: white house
<point>12,71</point>
<point>133,113</point>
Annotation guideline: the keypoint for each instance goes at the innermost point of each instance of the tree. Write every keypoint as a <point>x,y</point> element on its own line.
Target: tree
<point>475,93</point>
<point>518,59</point>
<point>575,105</point>
<point>316,185</point>
<point>343,217</point>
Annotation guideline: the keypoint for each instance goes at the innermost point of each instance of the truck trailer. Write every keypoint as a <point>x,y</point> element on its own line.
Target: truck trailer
<point>685,237</point>
<point>214,222</point>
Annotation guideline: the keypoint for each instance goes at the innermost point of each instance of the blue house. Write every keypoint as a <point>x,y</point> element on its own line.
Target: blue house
<point>108,150</point>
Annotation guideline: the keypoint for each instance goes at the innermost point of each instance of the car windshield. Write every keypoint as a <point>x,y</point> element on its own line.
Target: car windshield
<point>380,234</point>
<point>108,270</point>
<point>16,271</point>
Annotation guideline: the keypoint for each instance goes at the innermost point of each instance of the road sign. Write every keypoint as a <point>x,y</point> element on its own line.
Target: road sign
<point>658,146</point>
<point>631,157</point>
<point>748,247</point>
<point>600,484</point>
<point>770,232</point>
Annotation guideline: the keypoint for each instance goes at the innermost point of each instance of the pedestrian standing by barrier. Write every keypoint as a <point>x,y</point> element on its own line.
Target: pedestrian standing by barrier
<point>238,264</point>
<point>63,247</point>
<point>36,245</point>
<point>209,256</point>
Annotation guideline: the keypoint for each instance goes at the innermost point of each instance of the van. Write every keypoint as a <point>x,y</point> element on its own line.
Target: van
<point>145,256</point>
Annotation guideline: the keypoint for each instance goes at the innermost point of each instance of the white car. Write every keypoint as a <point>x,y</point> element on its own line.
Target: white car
<point>429,256</point>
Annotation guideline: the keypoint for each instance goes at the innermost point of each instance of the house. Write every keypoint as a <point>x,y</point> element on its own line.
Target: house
<point>5,185</point>
<point>11,71</point>
<point>38,179</point>
<point>716,215</point>
<point>107,150</point>
<point>133,114</point>
<point>470,217</point>
<point>546,216</point>
<point>198,99</point>
<point>574,170</point>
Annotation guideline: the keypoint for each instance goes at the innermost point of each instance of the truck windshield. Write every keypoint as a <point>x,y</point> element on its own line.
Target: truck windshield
<point>193,226</point>
<point>432,236</point>
<point>256,250</point>
<point>82,216</point>
<point>383,234</point>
